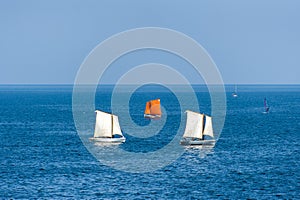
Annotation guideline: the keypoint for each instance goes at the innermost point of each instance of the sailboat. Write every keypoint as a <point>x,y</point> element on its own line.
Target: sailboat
<point>198,130</point>
<point>234,94</point>
<point>152,109</point>
<point>267,108</point>
<point>107,128</point>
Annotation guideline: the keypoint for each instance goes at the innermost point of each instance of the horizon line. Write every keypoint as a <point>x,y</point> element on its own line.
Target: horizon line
<point>69,84</point>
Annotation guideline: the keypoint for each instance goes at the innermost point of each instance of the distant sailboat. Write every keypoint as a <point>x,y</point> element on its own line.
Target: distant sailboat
<point>198,130</point>
<point>266,106</point>
<point>152,109</point>
<point>234,94</point>
<point>107,128</point>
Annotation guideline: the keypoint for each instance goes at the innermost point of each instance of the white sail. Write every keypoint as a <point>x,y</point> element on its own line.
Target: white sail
<point>103,127</point>
<point>194,125</point>
<point>208,130</point>
<point>116,126</point>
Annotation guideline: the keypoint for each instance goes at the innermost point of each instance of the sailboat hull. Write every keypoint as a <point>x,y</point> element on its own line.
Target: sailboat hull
<point>197,142</point>
<point>152,116</point>
<point>108,140</point>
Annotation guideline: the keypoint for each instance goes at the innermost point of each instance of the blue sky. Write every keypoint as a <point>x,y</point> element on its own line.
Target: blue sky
<point>251,41</point>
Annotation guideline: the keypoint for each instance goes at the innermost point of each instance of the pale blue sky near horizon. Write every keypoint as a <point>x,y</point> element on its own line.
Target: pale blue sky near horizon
<point>251,41</point>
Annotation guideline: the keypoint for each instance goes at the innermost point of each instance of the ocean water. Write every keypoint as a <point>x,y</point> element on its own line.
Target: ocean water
<point>256,157</point>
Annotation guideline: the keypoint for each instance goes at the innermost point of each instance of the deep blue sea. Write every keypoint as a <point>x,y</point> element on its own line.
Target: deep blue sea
<point>257,155</point>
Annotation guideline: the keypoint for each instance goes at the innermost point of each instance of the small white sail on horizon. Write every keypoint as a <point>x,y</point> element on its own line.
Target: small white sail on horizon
<point>107,127</point>
<point>196,128</point>
<point>234,94</point>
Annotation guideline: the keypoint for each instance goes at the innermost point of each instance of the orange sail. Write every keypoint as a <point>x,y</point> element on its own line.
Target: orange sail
<point>147,109</point>
<point>152,109</point>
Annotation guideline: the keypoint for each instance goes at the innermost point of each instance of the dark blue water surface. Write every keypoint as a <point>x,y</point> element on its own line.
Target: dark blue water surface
<point>256,157</point>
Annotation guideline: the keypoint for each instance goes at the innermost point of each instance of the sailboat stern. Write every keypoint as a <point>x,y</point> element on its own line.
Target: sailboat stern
<point>196,141</point>
<point>152,116</point>
<point>108,140</point>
